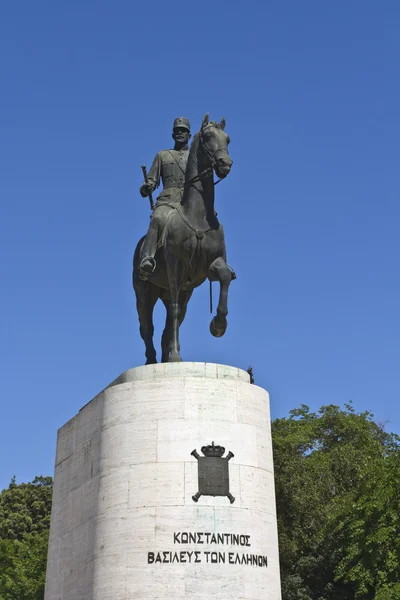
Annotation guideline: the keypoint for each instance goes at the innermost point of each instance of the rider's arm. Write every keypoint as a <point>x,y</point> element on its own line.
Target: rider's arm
<point>153,178</point>
<point>155,171</point>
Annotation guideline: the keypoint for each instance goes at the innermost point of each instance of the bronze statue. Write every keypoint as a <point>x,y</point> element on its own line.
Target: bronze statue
<point>189,242</point>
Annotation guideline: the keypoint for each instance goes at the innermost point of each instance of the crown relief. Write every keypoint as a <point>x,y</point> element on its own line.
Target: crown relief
<point>213,450</point>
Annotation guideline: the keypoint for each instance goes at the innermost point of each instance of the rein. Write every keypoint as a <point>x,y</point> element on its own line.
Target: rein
<point>200,176</point>
<point>200,233</point>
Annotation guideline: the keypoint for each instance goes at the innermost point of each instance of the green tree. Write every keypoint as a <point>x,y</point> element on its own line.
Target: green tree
<point>23,567</point>
<point>24,530</point>
<point>331,469</point>
<point>25,508</point>
<point>368,534</point>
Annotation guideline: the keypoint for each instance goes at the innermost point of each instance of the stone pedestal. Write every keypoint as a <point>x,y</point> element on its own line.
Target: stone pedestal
<point>125,524</point>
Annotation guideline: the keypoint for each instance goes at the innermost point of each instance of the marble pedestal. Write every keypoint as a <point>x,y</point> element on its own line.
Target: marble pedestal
<point>124,522</point>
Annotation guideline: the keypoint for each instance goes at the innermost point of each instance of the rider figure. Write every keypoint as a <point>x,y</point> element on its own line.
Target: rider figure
<point>170,165</point>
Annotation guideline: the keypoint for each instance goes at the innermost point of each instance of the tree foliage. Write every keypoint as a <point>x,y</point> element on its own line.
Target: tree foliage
<point>25,508</point>
<point>337,488</point>
<point>24,530</point>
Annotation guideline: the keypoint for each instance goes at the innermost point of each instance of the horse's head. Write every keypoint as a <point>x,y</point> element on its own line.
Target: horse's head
<point>215,142</point>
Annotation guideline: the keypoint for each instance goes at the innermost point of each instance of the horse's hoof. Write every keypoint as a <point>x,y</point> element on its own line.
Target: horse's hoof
<point>151,361</point>
<point>218,327</point>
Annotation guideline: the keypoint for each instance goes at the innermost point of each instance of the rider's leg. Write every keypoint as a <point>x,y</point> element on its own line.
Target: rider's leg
<point>148,250</point>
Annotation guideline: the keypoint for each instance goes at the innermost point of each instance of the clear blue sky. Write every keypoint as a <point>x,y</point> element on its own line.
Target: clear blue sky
<point>89,91</point>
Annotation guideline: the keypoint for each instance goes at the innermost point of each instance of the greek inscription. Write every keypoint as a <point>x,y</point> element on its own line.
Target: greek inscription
<point>208,556</point>
<point>228,539</point>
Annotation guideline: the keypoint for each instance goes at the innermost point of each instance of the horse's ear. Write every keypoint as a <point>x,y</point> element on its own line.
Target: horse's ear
<point>223,123</point>
<point>205,120</point>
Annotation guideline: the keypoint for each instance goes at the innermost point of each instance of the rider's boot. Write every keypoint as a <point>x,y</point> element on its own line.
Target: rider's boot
<point>148,263</point>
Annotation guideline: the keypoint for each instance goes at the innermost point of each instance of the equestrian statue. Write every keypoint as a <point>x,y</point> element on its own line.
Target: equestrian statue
<point>185,243</point>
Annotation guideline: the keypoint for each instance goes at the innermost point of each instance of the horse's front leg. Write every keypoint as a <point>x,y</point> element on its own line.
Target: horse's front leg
<point>166,341</point>
<point>174,271</point>
<point>167,335</point>
<point>219,271</point>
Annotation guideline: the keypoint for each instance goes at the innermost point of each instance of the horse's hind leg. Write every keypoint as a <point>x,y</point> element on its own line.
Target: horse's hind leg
<point>219,271</point>
<point>147,295</point>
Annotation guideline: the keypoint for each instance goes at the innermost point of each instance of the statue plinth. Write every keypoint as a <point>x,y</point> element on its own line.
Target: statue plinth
<point>164,489</point>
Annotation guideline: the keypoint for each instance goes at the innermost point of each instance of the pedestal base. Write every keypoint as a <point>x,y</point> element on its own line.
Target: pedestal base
<point>134,512</point>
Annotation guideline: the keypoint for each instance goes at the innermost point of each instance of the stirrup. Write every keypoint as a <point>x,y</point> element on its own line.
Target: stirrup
<point>147,270</point>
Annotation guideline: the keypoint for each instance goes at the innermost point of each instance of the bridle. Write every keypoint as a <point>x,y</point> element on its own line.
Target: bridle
<point>210,155</point>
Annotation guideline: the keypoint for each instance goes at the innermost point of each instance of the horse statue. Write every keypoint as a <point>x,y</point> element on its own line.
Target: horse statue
<point>191,247</point>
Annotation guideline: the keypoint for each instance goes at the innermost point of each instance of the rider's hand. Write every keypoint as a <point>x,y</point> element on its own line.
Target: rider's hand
<point>146,189</point>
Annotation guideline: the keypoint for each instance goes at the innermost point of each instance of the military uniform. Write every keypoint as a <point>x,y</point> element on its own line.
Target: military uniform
<point>169,166</point>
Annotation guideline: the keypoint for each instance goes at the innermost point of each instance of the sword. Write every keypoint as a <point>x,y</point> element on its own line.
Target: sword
<point>147,181</point>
